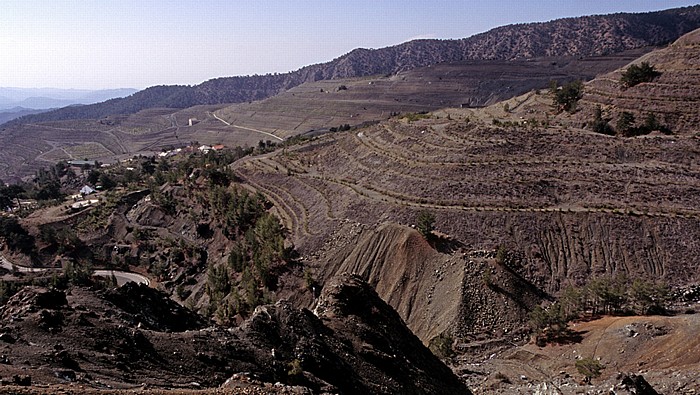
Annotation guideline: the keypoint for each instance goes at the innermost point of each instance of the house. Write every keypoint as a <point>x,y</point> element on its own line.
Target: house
<point>80,163</point>
<point>205,148</point>
<point>83,203</point>
<point>86,190</point>
<point>217,147</point>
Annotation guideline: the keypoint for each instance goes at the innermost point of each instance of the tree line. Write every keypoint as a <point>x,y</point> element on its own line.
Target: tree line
<point>604,295</point>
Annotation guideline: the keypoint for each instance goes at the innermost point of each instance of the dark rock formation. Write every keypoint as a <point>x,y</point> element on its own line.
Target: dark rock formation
<point>355,343</point>
<point>636,384</point>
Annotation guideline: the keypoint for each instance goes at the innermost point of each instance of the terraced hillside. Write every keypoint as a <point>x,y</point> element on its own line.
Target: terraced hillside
<point>321,105</point>
<point>28,147</point>
<point>673,97</point>
<point>572,203</point>
<point>567,204</point>
<point>313,106</point>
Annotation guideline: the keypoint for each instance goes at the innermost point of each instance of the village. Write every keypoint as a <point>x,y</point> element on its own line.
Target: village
<point>18,200</point>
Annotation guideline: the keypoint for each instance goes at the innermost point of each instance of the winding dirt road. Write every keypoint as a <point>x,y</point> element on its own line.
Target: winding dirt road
<point>246,128</point>
<point>121,276</point>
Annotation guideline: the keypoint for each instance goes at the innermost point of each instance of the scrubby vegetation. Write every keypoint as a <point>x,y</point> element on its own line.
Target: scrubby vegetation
<point>627,125</point>
<point>567,96</point>
<point>7,289</point>
<point>415,116</point>
<point>245,281</point>
<point>15,236</point>
<point>425,223</point>
<point>589,368</point>
<point>619,295</point>
<point>600,124</point>
<point>194,185</point>
<point>441,346</point>
<point>637,74</point>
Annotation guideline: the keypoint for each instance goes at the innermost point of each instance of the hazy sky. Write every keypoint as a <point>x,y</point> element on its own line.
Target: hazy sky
<point>124,43</point>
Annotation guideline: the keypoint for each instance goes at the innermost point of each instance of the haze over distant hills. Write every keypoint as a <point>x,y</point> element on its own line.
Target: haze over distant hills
<point>584,36</point>
<point>18,102</point>
<point>46,98</point>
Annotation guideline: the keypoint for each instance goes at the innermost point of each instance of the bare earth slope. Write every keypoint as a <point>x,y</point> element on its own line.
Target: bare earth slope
<point>569,204</point>
<point>662,349</point>
<point>673,97</point>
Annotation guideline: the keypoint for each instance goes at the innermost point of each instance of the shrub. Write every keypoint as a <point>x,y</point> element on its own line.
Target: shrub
<point>295,368</point>
<point>7,289</point>
<point>78,273</point>
<point>568,96</point>
<point>441,346</point>
<point>600,125</point>
<point>425,222</point>
<point>16,237</point>
<point>589,368</point>
<point>550,322</point>
<point>625,123</point>
<point>501,255</point>
<point>636,74</point>
<point>652,124</point>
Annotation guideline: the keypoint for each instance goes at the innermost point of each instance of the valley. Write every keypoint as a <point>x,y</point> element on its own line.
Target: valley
<point>509,226</point>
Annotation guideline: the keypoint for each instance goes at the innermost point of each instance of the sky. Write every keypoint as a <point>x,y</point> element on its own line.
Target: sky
<point>92,44</point>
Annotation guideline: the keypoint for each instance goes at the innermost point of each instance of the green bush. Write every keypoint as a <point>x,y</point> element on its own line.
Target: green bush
<point>550,321</point>
<point>441,346</point>
<point>589,368</point>
<point>625,123</point>
<point>599,124</point>
<point>636,74</point>
<point>7,289</point>
<point>568,96</point>
<point>425,223</point>
<point>16,237</point>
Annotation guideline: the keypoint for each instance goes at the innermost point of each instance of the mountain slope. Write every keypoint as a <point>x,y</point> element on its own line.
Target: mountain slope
<point>16,112</point>
<point>313,106</point>
<point>672,97</point>
<point>594,206</point>
<point>49,98</point>
<point>585,36</point>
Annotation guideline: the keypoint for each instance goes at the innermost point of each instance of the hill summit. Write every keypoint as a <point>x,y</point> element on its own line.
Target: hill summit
<point>583,36</point>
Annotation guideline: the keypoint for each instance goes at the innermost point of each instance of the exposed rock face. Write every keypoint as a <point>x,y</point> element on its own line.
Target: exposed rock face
<point>636,384</point>
<point>354,311</point>
<point>152,311</point>
<point>356,343</point>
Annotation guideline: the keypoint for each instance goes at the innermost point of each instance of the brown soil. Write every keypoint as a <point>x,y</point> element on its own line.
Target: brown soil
<point>665,350</point>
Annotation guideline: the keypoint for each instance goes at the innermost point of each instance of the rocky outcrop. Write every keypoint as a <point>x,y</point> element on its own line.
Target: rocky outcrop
<point>354,343</point>
<point>636,384</point>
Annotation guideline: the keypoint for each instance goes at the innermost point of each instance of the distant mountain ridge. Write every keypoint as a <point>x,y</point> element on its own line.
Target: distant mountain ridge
<point>16,112</point>
<point>582,36</point>
<point>48,98</point>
